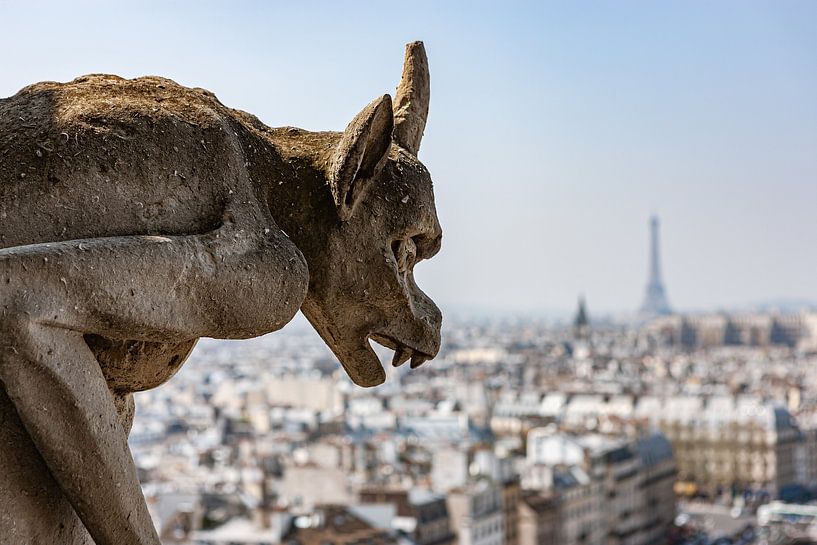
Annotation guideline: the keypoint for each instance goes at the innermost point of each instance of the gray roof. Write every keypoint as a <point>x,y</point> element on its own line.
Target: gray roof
<point>421,496</point>
<point>654,449</point>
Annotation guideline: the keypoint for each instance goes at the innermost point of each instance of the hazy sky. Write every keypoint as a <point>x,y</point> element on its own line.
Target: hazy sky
<point>555,129</point>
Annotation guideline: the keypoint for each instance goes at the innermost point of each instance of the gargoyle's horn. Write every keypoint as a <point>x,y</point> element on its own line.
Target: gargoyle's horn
<point>411,101</point>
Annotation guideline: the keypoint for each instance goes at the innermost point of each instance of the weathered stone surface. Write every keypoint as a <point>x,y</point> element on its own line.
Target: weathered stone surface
<point>139,215</point>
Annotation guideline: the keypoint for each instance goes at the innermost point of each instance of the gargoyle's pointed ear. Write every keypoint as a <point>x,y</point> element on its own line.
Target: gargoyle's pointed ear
<point>361,154</point>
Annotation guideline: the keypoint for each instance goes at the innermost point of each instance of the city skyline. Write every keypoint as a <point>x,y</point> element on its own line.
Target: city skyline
<point>554,131</point>
<point>678,431</point>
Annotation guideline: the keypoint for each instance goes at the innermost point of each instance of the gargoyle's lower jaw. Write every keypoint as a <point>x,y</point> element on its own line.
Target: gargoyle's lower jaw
<point>356,355</point>
<point>362,364</point>
<point>351,348</point>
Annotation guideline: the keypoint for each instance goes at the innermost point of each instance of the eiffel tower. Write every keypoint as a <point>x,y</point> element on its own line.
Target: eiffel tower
<point>655,298</point>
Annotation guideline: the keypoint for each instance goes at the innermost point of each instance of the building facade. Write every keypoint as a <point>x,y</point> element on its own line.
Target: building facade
<point>702,331</point>
<point>726,444</point>
<point>477,515</point>
<point>538,519</point>
<point>606,491</point>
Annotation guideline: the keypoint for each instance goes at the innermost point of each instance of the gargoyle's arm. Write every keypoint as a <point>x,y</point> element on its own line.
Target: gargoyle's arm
<point>231,283</point>
<point>59,392</point>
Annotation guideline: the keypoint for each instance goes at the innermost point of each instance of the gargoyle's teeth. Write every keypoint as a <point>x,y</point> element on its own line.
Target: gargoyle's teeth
<point>401,356</point>
<point>418,359</point>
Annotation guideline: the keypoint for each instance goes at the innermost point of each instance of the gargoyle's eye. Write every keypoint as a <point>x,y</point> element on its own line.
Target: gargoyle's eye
<point>405,254</point>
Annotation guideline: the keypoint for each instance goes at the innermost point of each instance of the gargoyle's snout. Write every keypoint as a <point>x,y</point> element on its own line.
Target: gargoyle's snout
<point>419,340</point>
<point>404,352</point>
<point>417,352</point>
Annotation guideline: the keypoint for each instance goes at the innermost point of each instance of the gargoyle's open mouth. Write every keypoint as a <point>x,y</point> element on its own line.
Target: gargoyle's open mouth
<point>402,351</point>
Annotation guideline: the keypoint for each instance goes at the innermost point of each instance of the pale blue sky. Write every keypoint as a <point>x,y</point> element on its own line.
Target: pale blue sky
<point>555,128</point>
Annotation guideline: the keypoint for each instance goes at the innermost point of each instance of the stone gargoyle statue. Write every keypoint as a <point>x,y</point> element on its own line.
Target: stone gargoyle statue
<point>139,215</point>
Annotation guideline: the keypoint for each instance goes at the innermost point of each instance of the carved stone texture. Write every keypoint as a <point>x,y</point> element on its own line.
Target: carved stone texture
<point>139,215</point>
